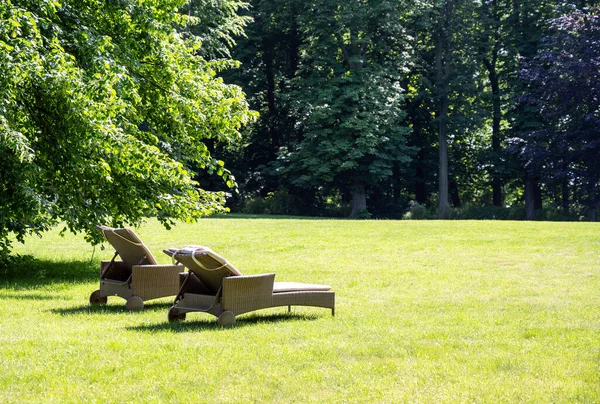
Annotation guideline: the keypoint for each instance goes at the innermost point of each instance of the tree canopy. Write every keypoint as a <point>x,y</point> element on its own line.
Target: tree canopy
<point>112,111</point>
<point>563,90</point>
<point>319,70</point>
<point>348,96</point>
<point>104,106</point>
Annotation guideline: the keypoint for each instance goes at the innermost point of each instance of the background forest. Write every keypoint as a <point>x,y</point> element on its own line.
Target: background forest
<point>388,109</point>
<point>116,111</point>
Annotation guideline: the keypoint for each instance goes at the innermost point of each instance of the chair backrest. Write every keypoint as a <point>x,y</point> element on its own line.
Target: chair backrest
<point>129,246</point>
<point>208,266</point>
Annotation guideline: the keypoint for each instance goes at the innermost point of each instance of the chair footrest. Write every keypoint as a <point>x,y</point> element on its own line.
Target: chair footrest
<point>114,282</point>
<point>196,302</point>
<point>281,287</point>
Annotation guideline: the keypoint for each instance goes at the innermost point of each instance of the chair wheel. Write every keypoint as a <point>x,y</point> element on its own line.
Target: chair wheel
<point>96,298</point>
<point>226,318</point>
<point>134,303</point>
<point>175,315</point>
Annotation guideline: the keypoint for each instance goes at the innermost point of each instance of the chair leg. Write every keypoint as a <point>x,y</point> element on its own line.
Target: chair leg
<point>97,298</point>
<point>175,315</point>
<point>134,303</point>
<point>289,309</point>
<point>226,318</point>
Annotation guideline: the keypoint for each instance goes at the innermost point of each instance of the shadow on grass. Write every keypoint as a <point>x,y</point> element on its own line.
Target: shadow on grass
<point>277,217</point>
<point>209,323</point>
<point>28,271</point>
<point>22,295</point>
<point>109,308</point>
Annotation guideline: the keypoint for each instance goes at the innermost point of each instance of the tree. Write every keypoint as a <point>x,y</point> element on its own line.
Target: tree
<point>563,82</point>
<point>496,57</point>
<point>442,77</point>
<point>216,25</point>
<point>443,99</point>
<point>348,97</point>
<point>103,107</point>
<point>269,56</point>
<point>527,25</point>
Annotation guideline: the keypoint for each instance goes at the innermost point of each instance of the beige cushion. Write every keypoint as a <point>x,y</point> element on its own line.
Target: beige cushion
<point>129,246</point>
<point>211,268</point>
<point>207,259</point>
<point>279,287</point>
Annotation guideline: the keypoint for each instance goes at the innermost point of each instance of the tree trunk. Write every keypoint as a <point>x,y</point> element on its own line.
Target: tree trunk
<point>454,194</point>
<point>359,201</point>
<point>418,141</point>
<point>443,160</point>
<point>593,214</point>
<point>420,180</point>
<point>294,43</point>
<point>396,189</point>
<point>496,116</point>
<point>593,208</point>
<point>537,194</point>
<point>491,64</point>
<point>529,198</point>
<point>533,197</point>
<point>443,172</point>
<point>565,197</point>
<point>441,66</point>
<point>268,56</point>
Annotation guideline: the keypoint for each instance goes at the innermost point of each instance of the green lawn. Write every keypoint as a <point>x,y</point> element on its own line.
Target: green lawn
<point>426,311</point>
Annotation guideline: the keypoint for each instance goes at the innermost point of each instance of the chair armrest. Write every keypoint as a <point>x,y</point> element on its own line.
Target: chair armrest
<point>249,285</point>
<point>152,281</point>
<point>157,270</point>
<point>242,294</point>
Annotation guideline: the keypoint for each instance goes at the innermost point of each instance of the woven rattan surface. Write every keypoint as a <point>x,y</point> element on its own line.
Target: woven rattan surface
<point>130,247</point>
<point>136,273</point>
<point>208,266</point>
<point>155,281</point>
<point>212,287</point>
<point>118,271</point>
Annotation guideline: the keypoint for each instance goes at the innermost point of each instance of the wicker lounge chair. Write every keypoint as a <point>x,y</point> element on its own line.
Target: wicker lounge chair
<point>213,285</point>
<point>136,277</point>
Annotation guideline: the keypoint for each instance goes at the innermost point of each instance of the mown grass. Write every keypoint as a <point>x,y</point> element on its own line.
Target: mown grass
<point>431,312</point>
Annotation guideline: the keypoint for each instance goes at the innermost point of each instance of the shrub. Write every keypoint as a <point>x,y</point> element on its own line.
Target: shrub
<point>280,202</point>
<point>363,214</point>
<point>416,211</point>
<point>255,206</point>
<point>473,212</point>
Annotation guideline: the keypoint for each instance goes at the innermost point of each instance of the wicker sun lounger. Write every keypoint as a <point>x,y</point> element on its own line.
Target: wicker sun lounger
<point>213,285</point>
<point>136,277</point>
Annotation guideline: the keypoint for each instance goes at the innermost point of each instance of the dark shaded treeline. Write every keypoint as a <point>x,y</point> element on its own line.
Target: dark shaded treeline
<point>367,105</point>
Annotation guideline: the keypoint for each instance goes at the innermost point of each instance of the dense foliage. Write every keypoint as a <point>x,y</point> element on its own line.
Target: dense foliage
<point>112,111</point>
<point>564,92</point>
<point>461,100</point>
<point>104,106</point>
<point>347,97</point>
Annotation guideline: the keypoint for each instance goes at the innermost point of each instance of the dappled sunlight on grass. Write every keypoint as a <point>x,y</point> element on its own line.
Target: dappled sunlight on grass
<point>197,322</point>
<point>438,312</point>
